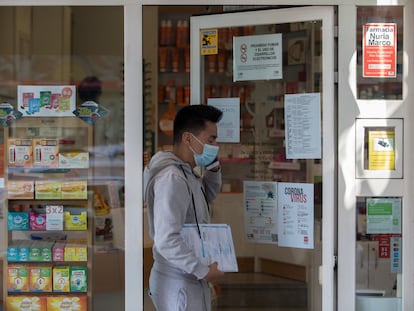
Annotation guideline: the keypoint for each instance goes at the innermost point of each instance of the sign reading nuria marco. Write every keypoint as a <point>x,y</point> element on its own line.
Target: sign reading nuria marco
<point>379,50</point>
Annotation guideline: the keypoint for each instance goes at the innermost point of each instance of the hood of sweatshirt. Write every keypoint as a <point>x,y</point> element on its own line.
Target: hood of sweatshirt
<point>158,162</point>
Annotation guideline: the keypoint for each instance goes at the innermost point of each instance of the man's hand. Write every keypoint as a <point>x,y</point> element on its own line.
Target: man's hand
<point>213,273</point>
<point>214,166</point>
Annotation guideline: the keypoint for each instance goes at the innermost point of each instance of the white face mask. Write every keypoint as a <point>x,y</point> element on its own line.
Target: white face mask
<point>208,155</point>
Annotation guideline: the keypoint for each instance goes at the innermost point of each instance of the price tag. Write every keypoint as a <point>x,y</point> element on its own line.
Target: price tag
<point>54,217</point>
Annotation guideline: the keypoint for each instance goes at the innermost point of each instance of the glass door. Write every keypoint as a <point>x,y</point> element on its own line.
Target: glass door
<point>274,70</point>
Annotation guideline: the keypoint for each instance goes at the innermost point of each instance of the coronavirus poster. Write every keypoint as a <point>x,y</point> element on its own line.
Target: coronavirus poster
<point>295,215</point>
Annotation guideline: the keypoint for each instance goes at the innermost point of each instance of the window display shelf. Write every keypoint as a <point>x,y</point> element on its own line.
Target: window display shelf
<point>49,211</point>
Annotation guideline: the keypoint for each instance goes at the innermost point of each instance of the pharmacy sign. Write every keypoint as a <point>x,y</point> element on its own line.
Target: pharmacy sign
<point>379,50</point>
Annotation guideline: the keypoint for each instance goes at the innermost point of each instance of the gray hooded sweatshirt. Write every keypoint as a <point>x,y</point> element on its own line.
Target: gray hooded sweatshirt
<point>170,187</point>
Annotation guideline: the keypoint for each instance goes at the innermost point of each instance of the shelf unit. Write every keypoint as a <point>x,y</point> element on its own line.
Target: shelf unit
<point>49,240</point>
<point>173,72</point>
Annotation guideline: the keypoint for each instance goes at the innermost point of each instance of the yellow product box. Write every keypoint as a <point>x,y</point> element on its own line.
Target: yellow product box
<point>74,189</point>
<point>74,160</point>
<point>61,279</point>
<point>70,253</point>
<point>40,278</point>
<point>76,221</point>
<point>17,278</point>
<point>76,250</point>
<point>67,303</point>
<point>20,189</point>
<point>82,253</point>
<point>19,152</point>
<point>48,189</point>
<point>26,303</point>
<point>45,152</point>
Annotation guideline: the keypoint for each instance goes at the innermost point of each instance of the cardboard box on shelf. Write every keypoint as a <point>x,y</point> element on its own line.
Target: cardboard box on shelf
<point>48,189</point>
<point>20,189</point>
<point>73,160</point>
<point>17,278</point>
<point>20,152</point>
<point>61,281</point>
<point>74,189</point>
<point>72,302</point>
<point>31,303</point>
<point>45,152</point>
<point>40,278</point>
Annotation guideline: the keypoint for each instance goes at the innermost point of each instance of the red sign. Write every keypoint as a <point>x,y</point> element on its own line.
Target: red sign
<point>379,50</point>
<point>384,246</point>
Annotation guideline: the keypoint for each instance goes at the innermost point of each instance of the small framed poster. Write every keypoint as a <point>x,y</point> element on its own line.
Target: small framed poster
<point>379,148</point>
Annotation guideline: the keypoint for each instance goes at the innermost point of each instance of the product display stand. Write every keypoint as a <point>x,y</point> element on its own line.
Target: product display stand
<point>49,214</point>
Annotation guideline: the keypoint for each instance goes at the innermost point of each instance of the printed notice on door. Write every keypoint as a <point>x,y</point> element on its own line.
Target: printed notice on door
<point>228,128</point>
<point>295,215</point>
<point>383,215</point>
<point>379,50</point>
<point>381,151</point>
<point>260,211</point>
<point>303,126</point>
<point>257,57</point>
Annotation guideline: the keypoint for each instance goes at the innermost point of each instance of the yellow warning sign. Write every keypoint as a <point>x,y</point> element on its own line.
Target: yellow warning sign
<point>209,41</point>
<point>381,150</point>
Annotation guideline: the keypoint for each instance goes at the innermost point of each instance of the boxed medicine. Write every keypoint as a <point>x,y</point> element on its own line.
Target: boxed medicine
<point>76,221</point>
<point>54,217</point>
<point>37,221</point>
<point>78,279</point>
<point>20,152</point>
<point>76,250</point>
<point>74,160</point>
<point>47,189</point>
<point>17,278</point>
<point>18,221</point>
<point>61,280</point>
<point>40,278</point>
<point>26,303</point>
<point>20,189</point>
<point>46,152</point>
<point>72,303</point>
<point>74,189</point>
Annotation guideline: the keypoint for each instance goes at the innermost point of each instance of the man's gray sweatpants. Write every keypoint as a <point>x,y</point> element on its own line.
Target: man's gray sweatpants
<point>174,290</point>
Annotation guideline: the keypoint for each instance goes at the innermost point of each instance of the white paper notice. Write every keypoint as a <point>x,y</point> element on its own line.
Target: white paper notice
<point>383,215</point>
<point>257,57</point>
<point>260,211</point>
<point>216,245</point>
<point>228,128</point>
<point>303,126</point>
<point>295,215</point>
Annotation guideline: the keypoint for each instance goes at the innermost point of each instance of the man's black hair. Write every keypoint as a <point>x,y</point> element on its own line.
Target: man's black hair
<point>193,119</point>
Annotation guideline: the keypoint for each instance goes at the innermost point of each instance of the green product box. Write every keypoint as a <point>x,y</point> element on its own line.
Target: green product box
<point>78,279</point>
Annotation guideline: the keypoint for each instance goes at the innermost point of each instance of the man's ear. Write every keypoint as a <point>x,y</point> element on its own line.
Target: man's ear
<point>186,138</point>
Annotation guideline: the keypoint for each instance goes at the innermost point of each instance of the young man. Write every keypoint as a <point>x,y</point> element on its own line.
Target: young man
<point>176,195</point>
